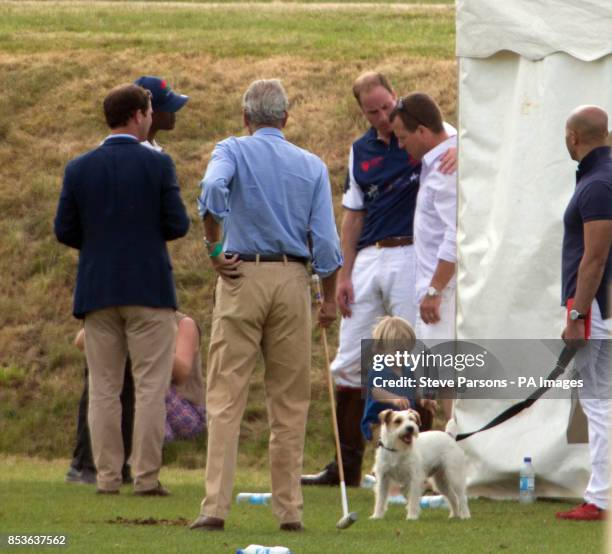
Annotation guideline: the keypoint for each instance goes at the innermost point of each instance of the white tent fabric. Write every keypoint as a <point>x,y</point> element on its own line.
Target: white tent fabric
<point>534,28</point>
<point>524,65</point>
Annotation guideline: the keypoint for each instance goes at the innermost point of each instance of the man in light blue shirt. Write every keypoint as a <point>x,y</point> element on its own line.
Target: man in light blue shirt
<point>269,193</point>
<point>268,199</point>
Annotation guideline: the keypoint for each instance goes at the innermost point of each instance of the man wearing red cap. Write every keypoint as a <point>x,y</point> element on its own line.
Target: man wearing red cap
<point>165,103</point>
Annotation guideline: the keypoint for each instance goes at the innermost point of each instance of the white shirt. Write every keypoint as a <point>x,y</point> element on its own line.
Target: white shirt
<point>119,135</point>
<point>152,145</point>
<point>435,218</point>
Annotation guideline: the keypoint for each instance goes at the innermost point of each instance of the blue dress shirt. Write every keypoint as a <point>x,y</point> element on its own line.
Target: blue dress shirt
<point>269,193</point>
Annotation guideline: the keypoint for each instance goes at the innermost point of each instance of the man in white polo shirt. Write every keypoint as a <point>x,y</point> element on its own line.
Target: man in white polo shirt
<point>418,125</point>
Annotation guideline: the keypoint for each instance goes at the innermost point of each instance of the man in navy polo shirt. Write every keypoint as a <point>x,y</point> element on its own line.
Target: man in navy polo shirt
<point>378,275</point>
<point>586,270</point>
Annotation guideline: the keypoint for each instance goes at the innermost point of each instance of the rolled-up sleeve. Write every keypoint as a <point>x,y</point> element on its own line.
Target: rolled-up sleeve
<point>326,253</point>
<point>215,186</point>
<point>445,202</point>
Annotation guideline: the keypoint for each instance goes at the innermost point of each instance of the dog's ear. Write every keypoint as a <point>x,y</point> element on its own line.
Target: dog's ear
<point>416,416</point>
<point>385,416</point>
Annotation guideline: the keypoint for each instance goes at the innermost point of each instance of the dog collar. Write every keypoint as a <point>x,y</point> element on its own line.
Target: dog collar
<point>380,444</point>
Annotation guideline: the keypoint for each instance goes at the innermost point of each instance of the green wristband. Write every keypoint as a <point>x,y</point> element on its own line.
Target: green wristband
<point>216,251</point>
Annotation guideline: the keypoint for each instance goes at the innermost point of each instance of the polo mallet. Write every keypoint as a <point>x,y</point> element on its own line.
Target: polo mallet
<point>348,518</point>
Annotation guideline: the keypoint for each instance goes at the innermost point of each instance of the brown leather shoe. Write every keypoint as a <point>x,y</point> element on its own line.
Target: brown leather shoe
<point>157,491</point>
<point>292,526</point>
<point>102,491</point>
<point>207,523</point>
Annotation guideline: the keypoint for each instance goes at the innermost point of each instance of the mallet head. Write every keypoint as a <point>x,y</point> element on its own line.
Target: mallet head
<point>346,521</point>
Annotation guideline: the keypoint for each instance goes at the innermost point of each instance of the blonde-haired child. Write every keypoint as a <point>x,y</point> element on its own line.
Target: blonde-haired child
<point>392,333</point>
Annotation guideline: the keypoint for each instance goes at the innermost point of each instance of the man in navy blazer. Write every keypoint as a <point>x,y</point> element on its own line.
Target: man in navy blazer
<point>119,205</point>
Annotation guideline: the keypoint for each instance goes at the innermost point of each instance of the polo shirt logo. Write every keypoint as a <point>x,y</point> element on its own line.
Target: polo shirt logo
<point>370,164</point>
<point>372,192</point>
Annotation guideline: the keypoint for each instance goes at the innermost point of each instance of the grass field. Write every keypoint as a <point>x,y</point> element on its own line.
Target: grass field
<point>58,60</point>
<point>35,500</point>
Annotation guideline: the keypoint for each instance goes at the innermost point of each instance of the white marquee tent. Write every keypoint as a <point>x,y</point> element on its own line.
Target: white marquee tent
<point>523,66</point>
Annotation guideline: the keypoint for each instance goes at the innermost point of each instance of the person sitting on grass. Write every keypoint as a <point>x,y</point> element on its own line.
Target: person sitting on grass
<point>394,333</point>
<point>185,411</point>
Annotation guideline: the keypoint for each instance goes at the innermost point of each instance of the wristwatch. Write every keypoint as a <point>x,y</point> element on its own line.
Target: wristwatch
<point>575,314</point>
<point>433,291</point>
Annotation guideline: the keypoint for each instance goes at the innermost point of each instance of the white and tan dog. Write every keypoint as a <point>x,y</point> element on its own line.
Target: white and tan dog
<point>409,458</point>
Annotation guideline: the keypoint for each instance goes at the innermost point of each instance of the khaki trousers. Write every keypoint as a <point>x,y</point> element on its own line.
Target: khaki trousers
<point>148,335</point>
<point>267,310</point>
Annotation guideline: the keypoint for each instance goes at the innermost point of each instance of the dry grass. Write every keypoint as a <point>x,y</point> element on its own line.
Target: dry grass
<point>50,109</point>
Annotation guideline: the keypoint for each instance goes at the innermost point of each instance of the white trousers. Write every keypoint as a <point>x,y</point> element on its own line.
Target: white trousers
<point>384,284</point>
<point>445,328</point>
<point>593,363</point>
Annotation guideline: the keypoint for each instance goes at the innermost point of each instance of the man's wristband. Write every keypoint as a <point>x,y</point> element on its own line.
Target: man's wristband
<point>218,248</point>
<point>216,251</point>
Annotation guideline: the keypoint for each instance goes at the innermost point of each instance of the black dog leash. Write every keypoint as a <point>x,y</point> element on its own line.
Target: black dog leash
<point>566,356</point>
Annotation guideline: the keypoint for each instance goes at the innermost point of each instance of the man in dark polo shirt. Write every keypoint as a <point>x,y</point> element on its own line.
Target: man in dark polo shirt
<point>586,270</point>
<point>378,275</point>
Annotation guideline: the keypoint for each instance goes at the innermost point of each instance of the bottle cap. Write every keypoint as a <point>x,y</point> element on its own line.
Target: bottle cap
<point>527,459</point>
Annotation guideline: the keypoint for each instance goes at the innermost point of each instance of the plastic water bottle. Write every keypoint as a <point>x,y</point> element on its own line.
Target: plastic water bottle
<point>527,482</point>
<point>368,481</point>
<point>434,501</point>
<point>429,501</point>
<point>253,497</point>
<point>258,549</point>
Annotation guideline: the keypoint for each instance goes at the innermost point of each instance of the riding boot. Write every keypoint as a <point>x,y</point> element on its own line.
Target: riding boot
<point>349,411</point>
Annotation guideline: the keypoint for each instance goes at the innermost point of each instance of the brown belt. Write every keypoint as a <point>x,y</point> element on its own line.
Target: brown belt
<point>391,242</point>
<point>267,257</point>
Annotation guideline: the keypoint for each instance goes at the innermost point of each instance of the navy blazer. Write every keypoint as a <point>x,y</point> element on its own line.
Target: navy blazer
<point>119,205</point>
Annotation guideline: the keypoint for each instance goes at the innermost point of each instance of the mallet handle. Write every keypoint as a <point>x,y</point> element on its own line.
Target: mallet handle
<point>332,399</point>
